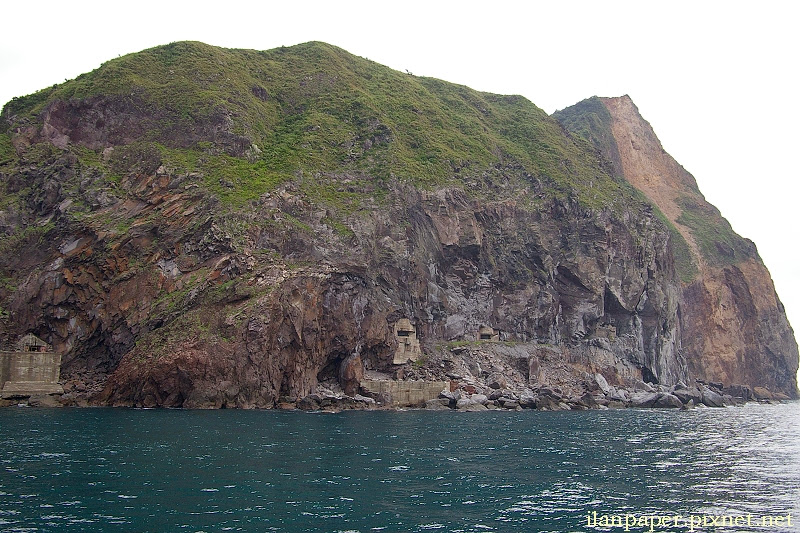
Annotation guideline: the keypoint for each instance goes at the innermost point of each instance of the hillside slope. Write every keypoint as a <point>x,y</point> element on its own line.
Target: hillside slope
<point>197,226</point>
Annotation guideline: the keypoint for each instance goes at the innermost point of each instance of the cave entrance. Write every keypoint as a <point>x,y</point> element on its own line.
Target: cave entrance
<point>648,376</point>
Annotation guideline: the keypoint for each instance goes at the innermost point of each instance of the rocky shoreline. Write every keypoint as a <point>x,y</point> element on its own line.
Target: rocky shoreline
<point>553,399</point>
<point>474,377</point>
<point>468,398</point>
<point>546,398</point>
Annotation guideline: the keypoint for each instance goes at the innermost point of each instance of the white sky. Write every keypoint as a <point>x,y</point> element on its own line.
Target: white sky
<point>717,80</point>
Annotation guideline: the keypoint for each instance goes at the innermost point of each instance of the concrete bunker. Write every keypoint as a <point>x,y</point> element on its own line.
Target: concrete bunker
<point>32,343</point>
<point>408,348</point>
<point>485,333</point>
<point>606,331</point>
<point>29,367</point>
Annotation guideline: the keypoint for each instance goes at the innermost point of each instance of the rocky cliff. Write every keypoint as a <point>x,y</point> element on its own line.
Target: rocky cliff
<point>194,226</point>
<point>733,325</point>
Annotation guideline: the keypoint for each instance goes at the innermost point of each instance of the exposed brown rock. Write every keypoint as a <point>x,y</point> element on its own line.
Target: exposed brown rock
<point>351,373</point>
<point>733,326</point>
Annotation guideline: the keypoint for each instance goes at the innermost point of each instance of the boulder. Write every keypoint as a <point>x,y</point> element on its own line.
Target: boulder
<point>44,400</point>
<point>546,403</point>
<point>643,399</point>
<point>588,400</point>
<point>712,399</point>
<point>552,392</point>
<point>437,404</point>
<point>494,394</point>
<point>364,399</point>
<point>618,395</point>
<point>527,400</point>
<point>602,383</point>
<point>463,403</point>
<point>739,391</point>
<point>730,400</point>
<point>351,373</point>
<point>510,394</point>
<point>308,403</point>
<point>497,381</point>
<point>479,398</point>
<point>686,395</point>
<point>761,393</point>
<point>667,400</point>
<point>451,397</point>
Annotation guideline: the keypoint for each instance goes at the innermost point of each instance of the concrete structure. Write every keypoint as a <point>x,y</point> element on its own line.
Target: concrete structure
<point>485,333</point>
<point>31,367</point>
<point>406,393</point>
<point>407,342</point>
<point>606,331</point>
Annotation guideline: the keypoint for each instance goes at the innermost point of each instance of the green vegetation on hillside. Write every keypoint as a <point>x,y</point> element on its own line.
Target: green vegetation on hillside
<point>718,243</point>
<point>7,152</point>
<point>314,108</point>
<point>591,120</point>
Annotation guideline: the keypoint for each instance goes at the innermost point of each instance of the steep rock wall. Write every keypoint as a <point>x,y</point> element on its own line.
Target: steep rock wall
<point>185,309</point>
<point>732,324</point>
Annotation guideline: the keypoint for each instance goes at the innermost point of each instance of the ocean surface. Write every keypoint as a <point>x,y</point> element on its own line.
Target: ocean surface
<point>111,470</point>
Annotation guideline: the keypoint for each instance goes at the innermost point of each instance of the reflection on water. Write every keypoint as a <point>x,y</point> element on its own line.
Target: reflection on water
<point>167,470</point>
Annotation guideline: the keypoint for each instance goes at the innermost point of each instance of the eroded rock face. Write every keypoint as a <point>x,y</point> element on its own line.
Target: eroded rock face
<point>732,326</point>
<point>105,121</point>
<point>273,331</point>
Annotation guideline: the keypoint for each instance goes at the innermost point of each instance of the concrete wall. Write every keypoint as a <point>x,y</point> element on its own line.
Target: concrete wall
<point>30,372</point>
<point>5,368</point>
<point>406,393</point>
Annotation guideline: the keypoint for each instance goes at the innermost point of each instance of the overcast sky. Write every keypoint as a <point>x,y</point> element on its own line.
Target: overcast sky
<point>717,80</point>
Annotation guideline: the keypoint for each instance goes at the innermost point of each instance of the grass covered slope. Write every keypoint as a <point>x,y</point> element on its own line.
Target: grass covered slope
<point>311,108</point>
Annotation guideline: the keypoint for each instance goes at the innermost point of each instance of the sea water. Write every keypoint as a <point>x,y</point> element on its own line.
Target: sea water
<point>730,469</point>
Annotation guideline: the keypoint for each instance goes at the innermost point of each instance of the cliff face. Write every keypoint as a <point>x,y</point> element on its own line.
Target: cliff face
<point>193,226</point>
<point>733,326</point>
